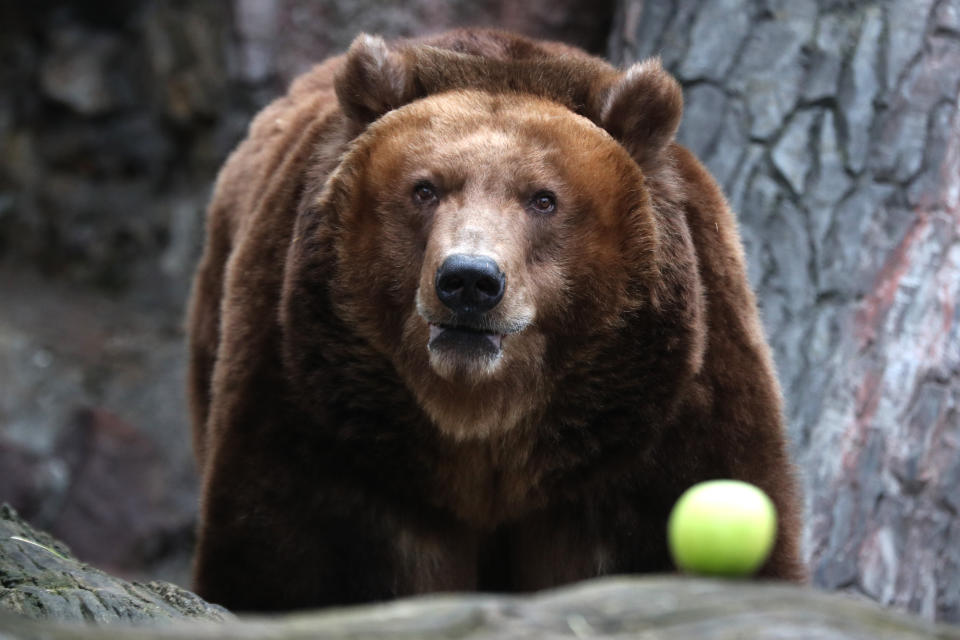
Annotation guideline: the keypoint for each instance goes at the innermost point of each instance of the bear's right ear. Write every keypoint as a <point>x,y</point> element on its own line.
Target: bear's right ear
<point>373,80</point>
<point>642,110</point>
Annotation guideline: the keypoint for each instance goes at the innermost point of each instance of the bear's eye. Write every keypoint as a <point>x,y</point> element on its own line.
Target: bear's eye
<point>424,193</point>
<point>543,202</point>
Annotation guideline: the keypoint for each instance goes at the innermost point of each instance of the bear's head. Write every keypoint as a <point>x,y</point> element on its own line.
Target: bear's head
<point>483,241</point>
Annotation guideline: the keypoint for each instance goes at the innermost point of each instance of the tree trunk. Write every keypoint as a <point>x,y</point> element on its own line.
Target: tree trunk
<point>834,129</point>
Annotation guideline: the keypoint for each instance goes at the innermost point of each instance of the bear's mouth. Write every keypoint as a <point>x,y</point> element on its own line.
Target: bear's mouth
<point>465,340</point>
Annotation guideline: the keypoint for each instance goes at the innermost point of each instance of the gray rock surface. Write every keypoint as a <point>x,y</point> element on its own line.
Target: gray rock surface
<point>719,27</point>
<point>44,593</point>
<point>621,608</point>
<point>40,579</point>
<point>843,162</point>
<point>113,119</point>
<point>94,445</point>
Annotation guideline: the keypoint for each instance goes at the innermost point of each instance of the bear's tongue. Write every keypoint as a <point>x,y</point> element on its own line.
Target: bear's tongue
<point>463,339</point>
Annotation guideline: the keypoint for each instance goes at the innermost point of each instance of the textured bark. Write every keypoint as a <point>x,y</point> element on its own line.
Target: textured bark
<point>42,582</point>
<point>834,128</point>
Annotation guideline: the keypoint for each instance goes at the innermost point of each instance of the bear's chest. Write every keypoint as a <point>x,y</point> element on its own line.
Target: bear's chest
<point>488,482</point>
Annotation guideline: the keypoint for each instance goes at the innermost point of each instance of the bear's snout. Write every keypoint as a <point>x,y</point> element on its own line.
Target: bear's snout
<point>468,284</point>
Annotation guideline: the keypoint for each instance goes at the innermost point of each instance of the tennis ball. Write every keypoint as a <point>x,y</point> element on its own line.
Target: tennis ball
<point>722,528</point>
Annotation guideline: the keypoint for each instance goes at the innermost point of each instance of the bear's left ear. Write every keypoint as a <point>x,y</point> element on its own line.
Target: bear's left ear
<point>373,80</point>
<point>642,110</point>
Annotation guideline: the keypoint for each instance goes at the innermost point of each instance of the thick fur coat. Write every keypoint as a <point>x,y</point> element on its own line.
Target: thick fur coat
<point>364,432</point>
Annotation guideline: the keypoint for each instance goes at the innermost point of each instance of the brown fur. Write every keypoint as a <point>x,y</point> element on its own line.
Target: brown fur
<point>342,460</point>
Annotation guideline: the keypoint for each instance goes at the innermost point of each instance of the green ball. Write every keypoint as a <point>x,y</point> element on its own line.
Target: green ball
<point>722,528</point>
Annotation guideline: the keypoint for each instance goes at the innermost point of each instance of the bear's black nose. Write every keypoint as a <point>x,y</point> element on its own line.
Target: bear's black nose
<point>470,284</point>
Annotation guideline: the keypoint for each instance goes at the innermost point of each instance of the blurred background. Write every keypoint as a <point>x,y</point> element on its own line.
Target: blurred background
<point>832,125</point>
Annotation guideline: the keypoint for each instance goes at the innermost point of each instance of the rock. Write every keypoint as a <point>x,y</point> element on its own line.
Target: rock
<point>842,266</point>
<point>741,175</point>
<point>703,103</point>
<point>33,482</point>
<point>769,73</point>
<point>792,152</point>
<point>832,45</point>
<point>904,130</point>
<point>948,17</point>
<point>63,348</point>
<point>934,154</point>
<point>830,181</point>
<point>257,24</point>
<point>118,510</point>
<point>675,38</point>
<point>908,23</point>
<point>113,113</point>
<point>640,29</point>
<point>40,579</point>
<point>844,171</point>
<point>730,146</point>
<point>719,28</point>
<point>858,91</point>
<point>187,49</point>
<point>312,31</point>
<point>76,71</point>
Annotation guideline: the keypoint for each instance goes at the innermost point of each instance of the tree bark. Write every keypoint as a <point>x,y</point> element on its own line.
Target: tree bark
<point>834,129</point>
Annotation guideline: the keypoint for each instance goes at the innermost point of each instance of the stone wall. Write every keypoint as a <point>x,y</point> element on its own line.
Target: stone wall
<point>113,118</point>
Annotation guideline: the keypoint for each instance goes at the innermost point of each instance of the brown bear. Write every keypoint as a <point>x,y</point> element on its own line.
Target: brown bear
<point>469,319</point>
